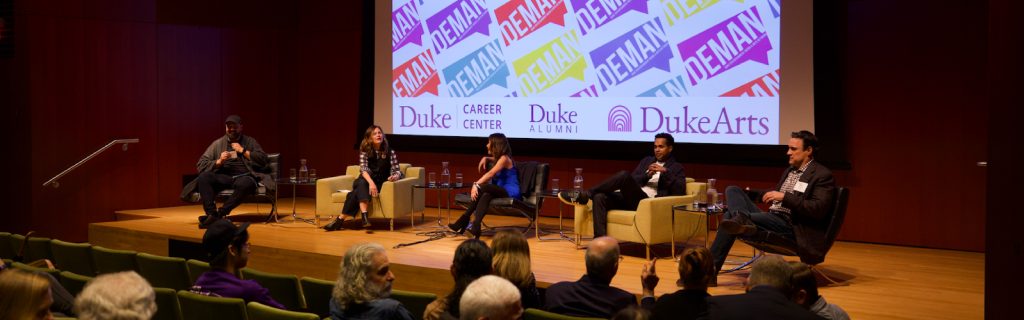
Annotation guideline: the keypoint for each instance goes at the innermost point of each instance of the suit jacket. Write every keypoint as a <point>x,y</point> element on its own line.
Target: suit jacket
<point>811,210</point>
<point>682,304</point>
<point>670,183</point>
<point>761,302</point>
<point>258,165</point>
<point>584,298</point>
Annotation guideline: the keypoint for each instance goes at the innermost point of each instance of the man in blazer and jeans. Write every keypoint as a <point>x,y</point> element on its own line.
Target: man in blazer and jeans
<point>798,211</point>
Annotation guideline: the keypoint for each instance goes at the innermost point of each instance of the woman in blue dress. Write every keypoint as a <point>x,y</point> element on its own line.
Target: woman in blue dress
<point>501,181</point>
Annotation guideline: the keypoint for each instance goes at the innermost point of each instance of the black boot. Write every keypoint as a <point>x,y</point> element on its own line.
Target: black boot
<point>207,220</point>
<point>366,219</point>
<point>474,228</point>
<point>336,224</point>
<point>460,225</point>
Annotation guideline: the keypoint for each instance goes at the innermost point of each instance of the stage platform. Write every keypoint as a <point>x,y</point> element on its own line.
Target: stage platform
<point>889,282</point>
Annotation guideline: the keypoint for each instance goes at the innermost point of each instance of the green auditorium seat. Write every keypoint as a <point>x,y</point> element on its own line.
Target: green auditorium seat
<point>6,252</point>
<point>111,260</point>
<point>73,282</point>
<point>196,268</point>
<point>167,307</point>
<point>259,311</point>
<point>537,314</point>
<point>200,307</point>
<point>415,302</point>
<point>164,272</point>
<point>38,249</point>
<point>317,293</point>
<point>53,272</point>
<point>284,288</point>
<point>74,257</point>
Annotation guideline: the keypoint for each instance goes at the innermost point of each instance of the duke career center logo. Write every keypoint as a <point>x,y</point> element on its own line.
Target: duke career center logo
<point>620,119</point>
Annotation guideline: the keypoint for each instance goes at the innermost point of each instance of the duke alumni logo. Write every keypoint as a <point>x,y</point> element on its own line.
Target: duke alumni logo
<point>620,120</point>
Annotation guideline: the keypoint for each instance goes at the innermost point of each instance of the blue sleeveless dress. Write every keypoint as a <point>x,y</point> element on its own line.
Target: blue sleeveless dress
<point>508,179</point>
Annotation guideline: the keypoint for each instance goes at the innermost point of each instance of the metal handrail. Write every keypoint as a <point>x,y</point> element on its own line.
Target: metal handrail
<point>124,146</point>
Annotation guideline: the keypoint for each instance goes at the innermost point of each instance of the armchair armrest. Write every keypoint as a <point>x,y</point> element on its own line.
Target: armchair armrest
<point>327,186</point>
<point>655,214</point>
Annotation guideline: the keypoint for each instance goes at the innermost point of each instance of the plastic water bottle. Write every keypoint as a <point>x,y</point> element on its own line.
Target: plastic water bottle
<point>712,198</point>
<point>303,171</point>
<point>446,176</point>
<point>577,181</point>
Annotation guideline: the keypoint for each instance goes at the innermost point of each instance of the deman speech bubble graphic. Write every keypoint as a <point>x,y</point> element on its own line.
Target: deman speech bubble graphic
<point>764,86</point>
<point>549,64</point>
<point>415,77</point>
<point>675,87</point>
<point>405,26</point>
<point>632,53</point>
<point>519,18</point>
<point>456,22</point>
<point>479,69</point>
<point>592,14</point>
<point>738,39</point>
<point>676,10</point>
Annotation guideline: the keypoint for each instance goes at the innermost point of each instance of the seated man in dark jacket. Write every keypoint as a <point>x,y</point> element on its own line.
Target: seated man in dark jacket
<point>230,162</point>
<point>769,295</point>
<point>592,296</point>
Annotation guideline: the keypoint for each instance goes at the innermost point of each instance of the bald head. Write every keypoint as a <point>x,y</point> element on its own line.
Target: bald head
<point>602,259</point>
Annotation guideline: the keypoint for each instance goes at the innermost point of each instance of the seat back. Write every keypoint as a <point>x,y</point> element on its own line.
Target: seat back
<point>167,307</point>
<point>38,249</point>
<point>74,257</point>
<point>195,306</point>
<point>273,165</point>
<point>317,293</point>
<point>259,311</point>
<point>53,272</point>
<point>111,260</point>
<point>284,288</point>
<point>539,181</point>
<point>537,314</point>
<point>415,302</point>
<point>196,268</point>
<point>6,250</point>
<point>73,282</point>
<point>838,216</point>
<point>164,272</point>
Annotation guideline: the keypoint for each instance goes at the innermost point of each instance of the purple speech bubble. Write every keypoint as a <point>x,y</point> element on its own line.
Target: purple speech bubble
<point>727,44</point>
<point>632,53</point>
<point>592,14</point>
<point>405,26</point>
<point>456,22</point>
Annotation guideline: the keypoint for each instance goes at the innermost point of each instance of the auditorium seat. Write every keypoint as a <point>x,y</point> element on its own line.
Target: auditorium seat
<point>112,260</point>
<point>195,306</point>
<point>317,293</point>
<point>167,307</point>
<point>74,257</point>
<point>196,268</point>
<point>397,198</point>
<point>164,272</point>
<point>537,314</point>
<point>284,288</point>
<point>415,302</point>
<point>259,311</point>
<point>73,282</point>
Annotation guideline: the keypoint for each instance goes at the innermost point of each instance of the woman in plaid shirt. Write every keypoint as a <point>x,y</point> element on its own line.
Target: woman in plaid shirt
<point>377,163</point>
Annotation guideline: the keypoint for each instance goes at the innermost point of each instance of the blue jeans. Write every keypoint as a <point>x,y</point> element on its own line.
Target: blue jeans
<point>739,204</point>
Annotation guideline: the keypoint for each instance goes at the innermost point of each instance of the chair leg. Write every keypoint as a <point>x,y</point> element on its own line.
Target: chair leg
<point>744,265</point>
<point>391,222</point>
<point>648,251</point>
<point>824,280</point>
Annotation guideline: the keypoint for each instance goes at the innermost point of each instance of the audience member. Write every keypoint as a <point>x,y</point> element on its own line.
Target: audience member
<point>806,293</point>
<point>364,285</point>
<point>227,248</point>
<point>378,163</point>
<point>63,301</point>
<point>24,295</point>
<point>592,295</point>
<point>696,269</point>
<point>769,295</point>
<point>116,296</point>
<point>472,260</point>
<point>490,298</point>
<point>512,262</point>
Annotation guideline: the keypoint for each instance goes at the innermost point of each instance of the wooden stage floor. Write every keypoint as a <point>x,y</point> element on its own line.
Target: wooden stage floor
<point>884,282</point>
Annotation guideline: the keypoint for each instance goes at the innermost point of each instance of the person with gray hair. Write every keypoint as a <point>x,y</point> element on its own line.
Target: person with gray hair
<point>364,285</point>
<point>116,296</point>
<point>592,295</point>
<point>769,295</point>
<point>490,298</point>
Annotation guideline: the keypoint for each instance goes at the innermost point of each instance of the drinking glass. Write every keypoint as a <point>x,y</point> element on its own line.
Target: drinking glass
<point>458,179</point>
<point>292,176</point>
<point>554,185</point>
<point>432,179</point>
<point>312,175</point>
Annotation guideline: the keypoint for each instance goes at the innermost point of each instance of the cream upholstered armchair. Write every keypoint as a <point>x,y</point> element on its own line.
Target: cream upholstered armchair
<point>651,223</point>
<point>397,199</point>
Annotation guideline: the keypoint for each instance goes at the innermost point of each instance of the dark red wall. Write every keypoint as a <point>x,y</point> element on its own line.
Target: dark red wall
<point>168,72</point>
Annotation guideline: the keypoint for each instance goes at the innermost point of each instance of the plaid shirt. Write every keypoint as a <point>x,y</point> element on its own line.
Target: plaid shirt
<point>395,171</point>
<point>787,187</point>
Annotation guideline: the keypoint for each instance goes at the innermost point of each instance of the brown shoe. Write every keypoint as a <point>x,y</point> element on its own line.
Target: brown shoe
<point>733,227</point>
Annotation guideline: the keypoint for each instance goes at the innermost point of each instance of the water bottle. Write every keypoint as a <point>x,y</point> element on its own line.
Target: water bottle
<point>712,198</point>
<point>303,171</point>
<point>577,181</point>
<point>446,177</point>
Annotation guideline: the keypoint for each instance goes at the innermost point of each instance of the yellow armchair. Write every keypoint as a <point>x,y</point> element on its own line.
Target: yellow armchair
<point>650,223</point>
<point>396,200</point>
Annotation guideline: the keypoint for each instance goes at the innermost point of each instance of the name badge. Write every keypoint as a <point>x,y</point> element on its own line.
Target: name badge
<point>800,186</point>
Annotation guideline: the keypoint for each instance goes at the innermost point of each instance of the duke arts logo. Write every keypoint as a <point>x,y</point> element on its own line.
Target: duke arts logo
<point>620,119</point>
<point>550,64</point>
<point>726,45</point>
<point>416,76</point>
<point>519,18</point>
<point>477,70</point>
<point>405,27</point>
<point>592,14</point>
<point>456,22</point>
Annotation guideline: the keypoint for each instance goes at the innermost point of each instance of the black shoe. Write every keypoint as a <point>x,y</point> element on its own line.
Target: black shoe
<point>734,227</point>
<point>578,198</point>
<point>474,229</point>
<point>335,225</point>
<point>207,221</point>
<point>713,282</point>
<point>454,227</point>
<point>366,220</point>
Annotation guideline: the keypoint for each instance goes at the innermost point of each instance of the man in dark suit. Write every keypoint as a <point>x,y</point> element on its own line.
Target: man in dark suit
<point>769,295</point>
<point>233,161</point>
<point>592,295</point>
<point>656,176</point>
<point>799,208</point>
